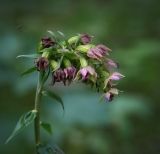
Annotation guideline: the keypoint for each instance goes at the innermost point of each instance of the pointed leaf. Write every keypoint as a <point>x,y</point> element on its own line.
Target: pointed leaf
<point>24,121</point>
<point>28,71</point>
<point>47,127</point>
<point>61,33</point>
<point>32,56</point>
<point>54,96</point>
<point>45,77</point>
<point>51,33</point>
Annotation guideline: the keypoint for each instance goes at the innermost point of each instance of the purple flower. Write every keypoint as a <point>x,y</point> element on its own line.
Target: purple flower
<point>70,72</point>
<point>103,49</point>
<point>59,75</point>
<point>98,52</point>
<point>110,94</point>
<point>85,72</point>
<point>47,42</point>
<point>94,53</point>
<point>42,64</point>
<point>85,38</point>
<point>67,74</point>
<point>116,76</point>
<point>112,63</point>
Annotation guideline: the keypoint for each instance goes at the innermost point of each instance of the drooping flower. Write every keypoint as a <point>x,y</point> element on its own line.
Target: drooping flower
<point>103,49</point>
<point>112,64</point>
<point>85,38</point>
<point>59,75</point>
<point>110,94</point>
<point>70,72</point>
<point>47,42</point>
<point>87,71</point>
<point>94,53</point>
<point>98,52</point>
<point>116,76</point>
<point>42,63</point>
<point>63,75</point>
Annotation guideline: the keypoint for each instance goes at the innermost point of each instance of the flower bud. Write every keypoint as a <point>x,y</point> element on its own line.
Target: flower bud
<point>83,62</point>
<point>73,39</point>
<point>67,63</point>
<point>42,64</point>
<point>54,65</point>
<point>45,54</point>
<point>85,38</point>
<point>105,74</point>
<point>84,48</point>
<point>47,42</point>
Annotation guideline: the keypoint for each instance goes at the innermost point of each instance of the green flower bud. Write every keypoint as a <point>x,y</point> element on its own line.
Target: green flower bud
<point>105,74</point>
<point>83,62</point>
<point>73,39</point>
<point>45,54</point>
<point>66,63</point>
<point>54,64</point>
<point>84,48</point>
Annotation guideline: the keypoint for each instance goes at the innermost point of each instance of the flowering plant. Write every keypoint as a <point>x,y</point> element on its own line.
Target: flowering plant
<point>68,60</point>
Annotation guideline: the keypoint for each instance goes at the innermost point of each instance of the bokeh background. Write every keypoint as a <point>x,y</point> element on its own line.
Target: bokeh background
<point>128,125</point>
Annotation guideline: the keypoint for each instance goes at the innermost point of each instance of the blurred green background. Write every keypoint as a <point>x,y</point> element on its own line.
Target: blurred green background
<point>128,125</point>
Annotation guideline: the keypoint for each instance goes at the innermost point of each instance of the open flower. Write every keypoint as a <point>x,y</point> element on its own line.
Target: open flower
<point>87,71</point>
<point>42,63</point>
<point>112,64</point>
<point>85,38</point>
<point>47,42</point>
<point>115,76</point>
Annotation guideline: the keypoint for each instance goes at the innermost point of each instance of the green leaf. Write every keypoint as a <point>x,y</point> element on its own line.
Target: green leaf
<point>45,77</point>
<point>51,33</point>
<point>47,127</point>
<point>54,96</point>
<point>61,33</point>
<point>28,71</point>
<point>48,149</point>
<point>32,56</point>
<point>25,120</point>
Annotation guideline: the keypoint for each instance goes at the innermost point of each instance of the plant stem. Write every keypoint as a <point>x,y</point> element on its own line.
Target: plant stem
<point>37,108</point>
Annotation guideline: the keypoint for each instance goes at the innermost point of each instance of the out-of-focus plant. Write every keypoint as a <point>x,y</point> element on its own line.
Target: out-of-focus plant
<point>67,60</point>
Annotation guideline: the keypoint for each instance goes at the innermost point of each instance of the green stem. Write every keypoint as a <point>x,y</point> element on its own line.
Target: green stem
<point>37,108</point>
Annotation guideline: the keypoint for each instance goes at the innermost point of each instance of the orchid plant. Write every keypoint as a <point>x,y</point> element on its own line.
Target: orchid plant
<point>68,60</point>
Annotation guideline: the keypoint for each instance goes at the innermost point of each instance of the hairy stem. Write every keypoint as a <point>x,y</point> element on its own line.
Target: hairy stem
<point>37,108</point>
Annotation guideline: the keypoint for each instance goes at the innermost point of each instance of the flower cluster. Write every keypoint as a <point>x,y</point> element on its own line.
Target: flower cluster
<point>77,59</point>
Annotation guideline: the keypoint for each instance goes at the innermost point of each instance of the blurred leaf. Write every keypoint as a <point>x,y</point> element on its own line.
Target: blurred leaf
<point>32,56</point>
<point>62,34</point>
<point>54,96</point>
<point>28,71</point>
<point>47,127</point>
<point>25,120</point>
<point>51,33</point>
<point>47,149</point>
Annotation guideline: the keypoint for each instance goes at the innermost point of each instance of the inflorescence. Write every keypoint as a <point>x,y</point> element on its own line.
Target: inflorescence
<point>77,59</point>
